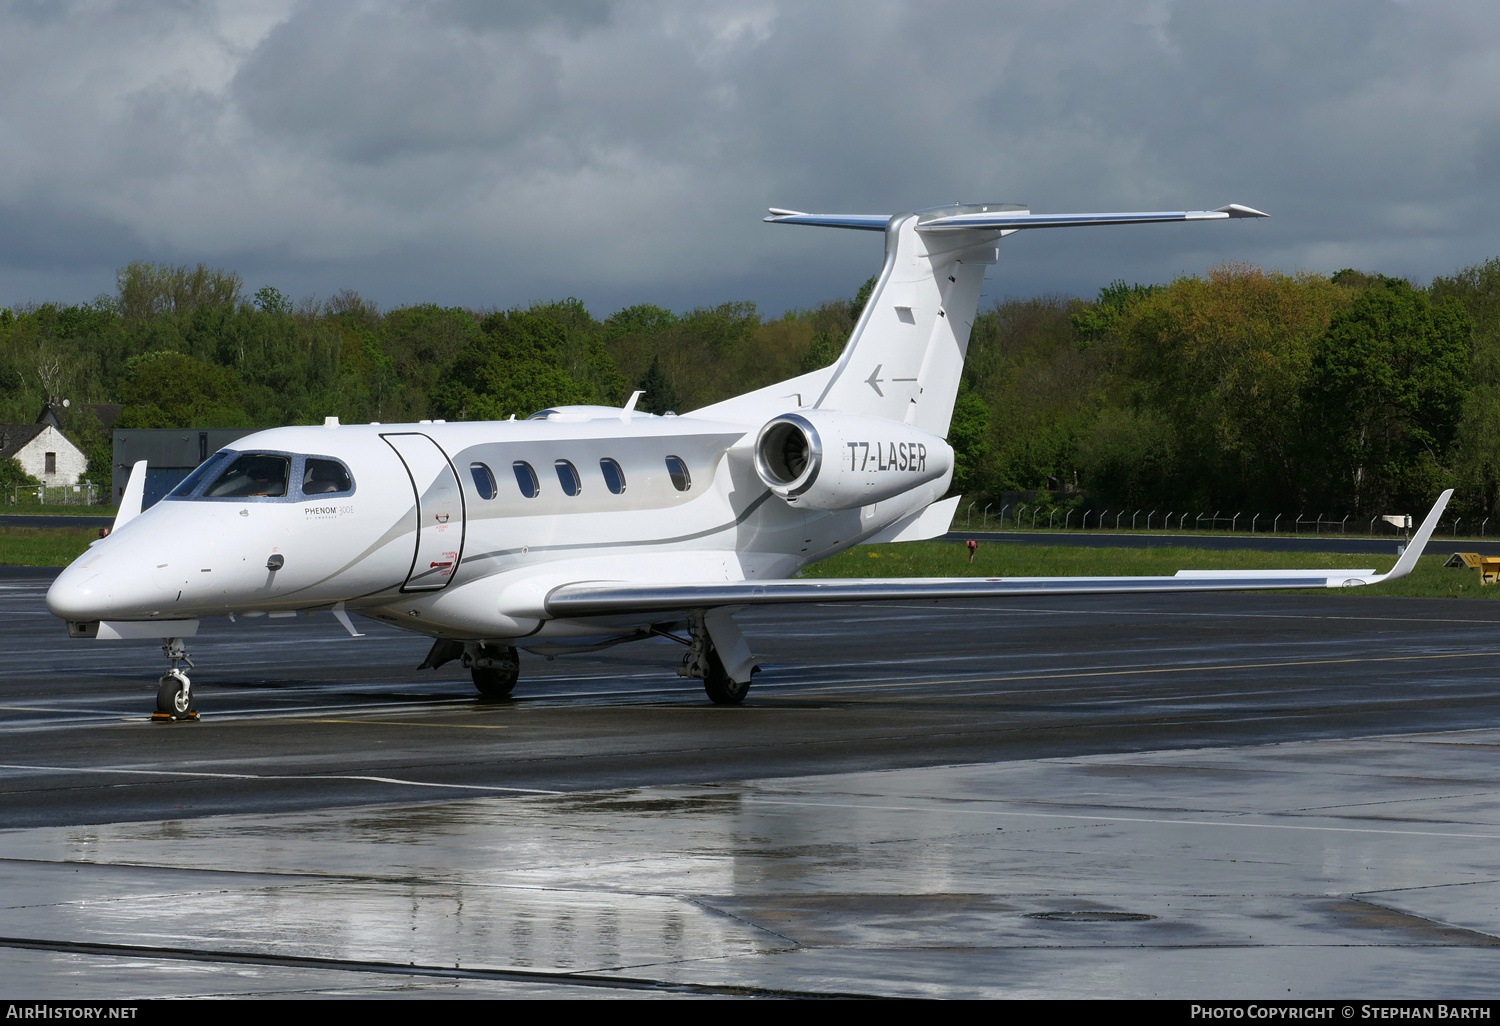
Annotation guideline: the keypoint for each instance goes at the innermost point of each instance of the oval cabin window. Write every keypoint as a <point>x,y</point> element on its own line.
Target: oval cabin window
<point>484,480</point>
<point>681,479</point>
<point>614,477</point>
<point>567,476</point>
<point>526,479</point>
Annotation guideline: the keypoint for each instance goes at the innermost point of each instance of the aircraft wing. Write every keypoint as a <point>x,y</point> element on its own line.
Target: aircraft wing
<point>598,598</point>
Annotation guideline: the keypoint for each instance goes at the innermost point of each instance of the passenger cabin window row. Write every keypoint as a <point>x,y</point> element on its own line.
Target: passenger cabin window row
<point>568,477</point>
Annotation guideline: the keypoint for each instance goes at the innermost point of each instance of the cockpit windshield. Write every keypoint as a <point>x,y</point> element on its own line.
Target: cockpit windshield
<point>265,475</point>
<point>252,475</point>
<point>188,485</point>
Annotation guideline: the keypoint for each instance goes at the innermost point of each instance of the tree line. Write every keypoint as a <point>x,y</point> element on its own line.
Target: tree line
<point>1238,389</point>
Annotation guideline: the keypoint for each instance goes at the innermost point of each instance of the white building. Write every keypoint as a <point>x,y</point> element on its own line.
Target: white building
<point>44,453</point>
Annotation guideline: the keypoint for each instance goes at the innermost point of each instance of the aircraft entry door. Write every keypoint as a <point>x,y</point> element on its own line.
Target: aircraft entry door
<point>440,511</point>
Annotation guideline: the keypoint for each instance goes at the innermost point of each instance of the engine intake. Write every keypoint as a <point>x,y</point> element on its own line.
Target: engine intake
<point>822,459</point>
<point>789,455</point>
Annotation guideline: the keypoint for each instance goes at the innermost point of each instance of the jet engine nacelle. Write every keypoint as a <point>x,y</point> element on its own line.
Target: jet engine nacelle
<point>822,459</point>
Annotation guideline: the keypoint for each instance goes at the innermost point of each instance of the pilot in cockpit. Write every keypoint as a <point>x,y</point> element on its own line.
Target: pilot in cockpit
<point>317,481</point>
<point>261,485</point>
<point>324,476</point>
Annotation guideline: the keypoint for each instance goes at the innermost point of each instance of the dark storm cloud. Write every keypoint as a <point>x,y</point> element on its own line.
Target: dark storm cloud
<point>491,154</point>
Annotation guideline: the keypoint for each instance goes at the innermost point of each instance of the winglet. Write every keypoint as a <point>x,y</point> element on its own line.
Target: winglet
<point>1239,210</point>
<point>1413,552</point>
<point>135,495</point>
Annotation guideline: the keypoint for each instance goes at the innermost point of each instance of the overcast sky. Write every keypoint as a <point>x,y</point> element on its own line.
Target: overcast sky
<point>490,155</point>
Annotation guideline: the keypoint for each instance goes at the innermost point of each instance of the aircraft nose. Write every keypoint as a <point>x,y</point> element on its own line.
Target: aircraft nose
<point>76,595</point>
<point>104,587</point>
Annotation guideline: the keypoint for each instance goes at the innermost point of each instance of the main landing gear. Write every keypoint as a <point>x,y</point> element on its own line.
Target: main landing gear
<point>495,668</point>
<point>702,660</point>
<point>174,695</point>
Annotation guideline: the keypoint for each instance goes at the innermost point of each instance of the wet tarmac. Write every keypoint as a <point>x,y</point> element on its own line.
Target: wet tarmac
<point>1231,796</point>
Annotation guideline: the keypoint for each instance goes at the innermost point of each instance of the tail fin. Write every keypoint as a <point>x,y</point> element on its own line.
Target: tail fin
<point>906,355</point>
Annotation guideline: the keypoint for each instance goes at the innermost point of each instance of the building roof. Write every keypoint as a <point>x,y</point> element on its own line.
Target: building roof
<point>15,437</point>
<point>60,416</point>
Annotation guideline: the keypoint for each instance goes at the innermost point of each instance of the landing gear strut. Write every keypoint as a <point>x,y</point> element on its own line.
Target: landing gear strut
<point>174,694</point>
<point>702,660</point>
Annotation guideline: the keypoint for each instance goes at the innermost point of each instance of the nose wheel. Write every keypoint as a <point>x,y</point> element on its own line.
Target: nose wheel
<point>174,693</point>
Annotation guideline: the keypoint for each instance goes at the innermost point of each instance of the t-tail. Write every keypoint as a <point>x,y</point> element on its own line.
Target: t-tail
<point>906,354</point>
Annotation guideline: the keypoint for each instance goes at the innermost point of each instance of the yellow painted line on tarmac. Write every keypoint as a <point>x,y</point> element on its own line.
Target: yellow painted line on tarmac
<point>1160,669</point>
<point>406,723</point>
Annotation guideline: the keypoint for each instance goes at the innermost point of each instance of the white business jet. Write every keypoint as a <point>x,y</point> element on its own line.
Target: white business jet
<point>587,526</point>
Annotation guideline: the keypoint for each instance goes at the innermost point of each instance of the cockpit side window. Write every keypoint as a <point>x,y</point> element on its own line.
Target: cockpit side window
<point>188,485</point>
<point>252,475</point>
<point>325,477</point>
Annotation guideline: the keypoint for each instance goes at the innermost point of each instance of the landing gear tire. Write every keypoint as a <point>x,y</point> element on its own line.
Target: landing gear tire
<point>721,689</point>
<point>496,671</point>
<point>174,698</point>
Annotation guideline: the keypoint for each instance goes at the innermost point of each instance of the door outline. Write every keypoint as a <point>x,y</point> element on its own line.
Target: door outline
<point>463,510</point>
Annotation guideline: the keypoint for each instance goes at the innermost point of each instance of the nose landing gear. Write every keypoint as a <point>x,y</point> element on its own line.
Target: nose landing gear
<point>174,695</point>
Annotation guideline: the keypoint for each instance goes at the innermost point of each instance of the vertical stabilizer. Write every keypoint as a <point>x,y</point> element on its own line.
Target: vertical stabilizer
<point>906,355</point>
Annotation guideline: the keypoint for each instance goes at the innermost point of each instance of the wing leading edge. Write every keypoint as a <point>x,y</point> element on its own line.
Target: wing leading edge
<point>597,598</point>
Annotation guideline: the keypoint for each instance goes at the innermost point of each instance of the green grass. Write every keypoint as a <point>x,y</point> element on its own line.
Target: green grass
<point>44,546</point>
<point>951,559</point>
<point>32,509</point>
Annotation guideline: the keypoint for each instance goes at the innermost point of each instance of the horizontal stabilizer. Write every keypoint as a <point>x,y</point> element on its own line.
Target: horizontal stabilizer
<point>1013,220</point>
<point>1002,217</point>
<point>859,222</point>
